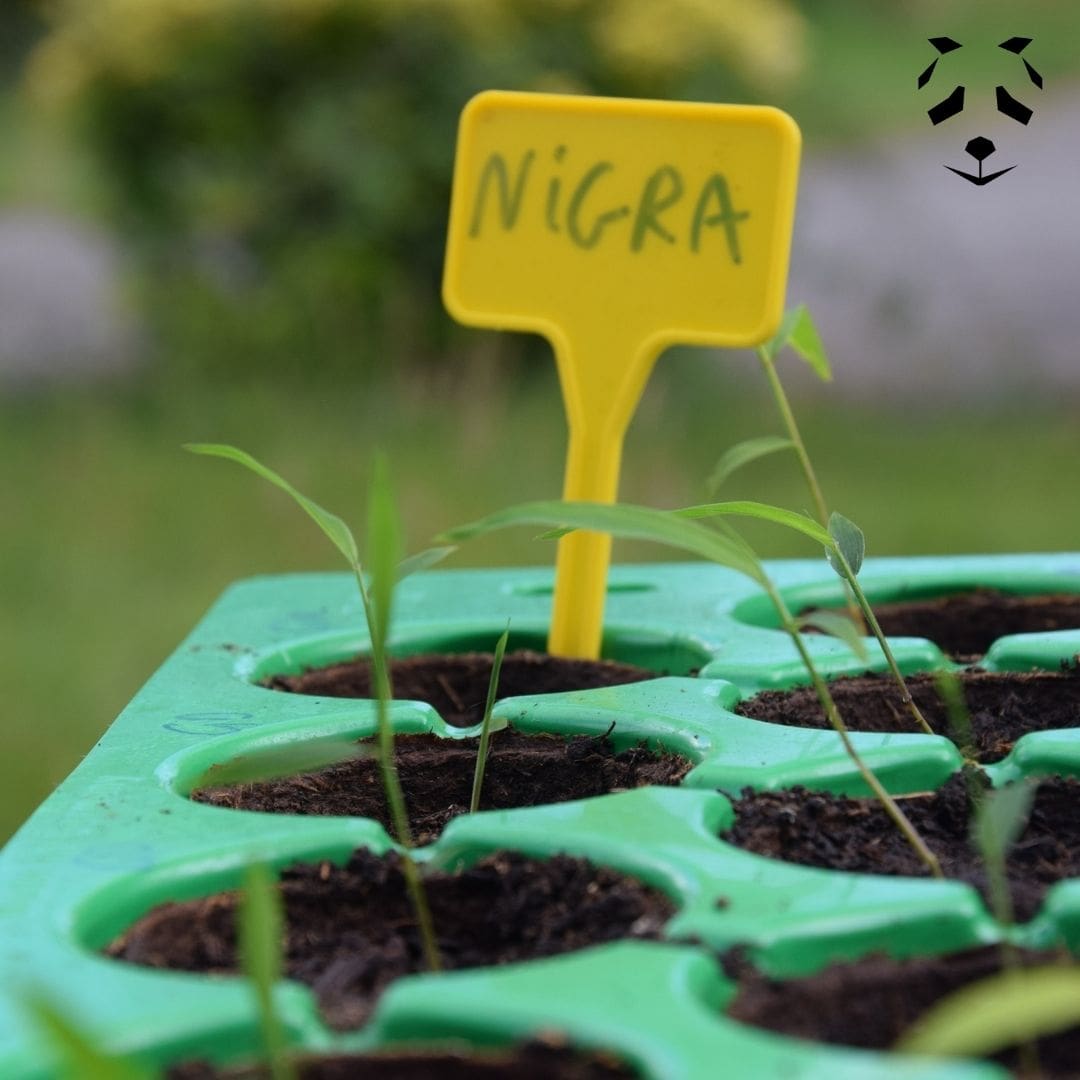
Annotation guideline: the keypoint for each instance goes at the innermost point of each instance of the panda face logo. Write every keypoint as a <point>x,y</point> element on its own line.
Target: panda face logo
<point>980,147</point>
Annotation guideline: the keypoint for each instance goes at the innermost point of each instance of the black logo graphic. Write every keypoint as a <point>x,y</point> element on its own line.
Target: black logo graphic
<point>980,148</point>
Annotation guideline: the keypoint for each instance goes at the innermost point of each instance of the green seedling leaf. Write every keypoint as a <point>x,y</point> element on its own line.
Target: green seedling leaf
<point>850,541</point>
<point>762,511</point>
<point>80,1054</point>
<point>806,341</point>
<point>742,454</point>
<point>1000,820</point>
<point>260,934</point>
<point>332,526</point>
<point>951,691</point>
<point>628,522</point>
<point>488,724</point>
<point>798,332</point>
<point>383,549</point>
<point>771,349</point>
<point>289,760</point>
<point>838,626</point>
<point>1003,1010</point>
<point>422,560</point>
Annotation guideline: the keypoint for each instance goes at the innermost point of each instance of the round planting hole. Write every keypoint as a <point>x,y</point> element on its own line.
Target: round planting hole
<point>437,776</point>
<point>965,625</point>
<point>872,1002</point>
<point>535,1060</point>
<point>350,930</point>
<point>838,833</point>
<point>1002,706</point>
<point>456,685</point>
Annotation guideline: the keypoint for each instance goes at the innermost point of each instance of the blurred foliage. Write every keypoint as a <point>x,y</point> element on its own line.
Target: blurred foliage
<point>281,168</point>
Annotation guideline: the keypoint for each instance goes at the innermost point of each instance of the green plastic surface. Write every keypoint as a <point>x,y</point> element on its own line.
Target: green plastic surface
<point>119,835</point>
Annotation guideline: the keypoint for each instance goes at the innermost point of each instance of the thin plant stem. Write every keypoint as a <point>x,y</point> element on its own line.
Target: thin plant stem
<point>395,798</point>
<point>787,416</point>
<point>875,628</point>
<point>485,727</point>
<point>897,815</point>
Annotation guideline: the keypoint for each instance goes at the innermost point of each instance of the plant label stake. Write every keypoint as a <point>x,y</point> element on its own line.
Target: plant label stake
<point>615,228</point>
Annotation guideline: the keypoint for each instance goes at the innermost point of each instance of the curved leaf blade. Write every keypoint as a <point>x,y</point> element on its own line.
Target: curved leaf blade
<point>987,1016</point>
<point>764,512</point>
<point>743,454</point>
<point>627,522</point>
<point>336,531</point>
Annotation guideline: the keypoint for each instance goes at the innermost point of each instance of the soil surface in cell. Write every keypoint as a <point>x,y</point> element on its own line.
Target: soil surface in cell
<point>350,931</point>
<point>1002,706</point>
<point>456,684</point>
<point>838,833</point>
<point>965,625</point>
<point>872,1002</point>
<point>437,776</point>
<point>531,1061</point>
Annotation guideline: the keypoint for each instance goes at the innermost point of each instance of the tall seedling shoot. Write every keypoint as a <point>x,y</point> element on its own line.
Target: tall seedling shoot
<point>384,551</point>
<point>721,545</point>
<point>798,332</point>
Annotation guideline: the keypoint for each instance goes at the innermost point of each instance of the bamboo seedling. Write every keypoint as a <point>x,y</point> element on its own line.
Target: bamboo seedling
<point>386,568</point>
<point>721,545</point>
<point>488,725</point>
<point>798,332</point>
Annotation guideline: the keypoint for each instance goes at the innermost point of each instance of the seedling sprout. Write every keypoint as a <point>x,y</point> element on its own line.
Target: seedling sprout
<point>384,551</point>
<point>488,725</point>
<point>260,936</point>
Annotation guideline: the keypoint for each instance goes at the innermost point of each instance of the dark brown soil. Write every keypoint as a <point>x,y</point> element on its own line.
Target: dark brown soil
<point>539,1060</point>
<point>456,684</point>
<point>437,774</point>
<point>872,1002</point>
<point>966,624</point>
<point>350,930</point>
<point>1003,706</point>
<point>816,829</point>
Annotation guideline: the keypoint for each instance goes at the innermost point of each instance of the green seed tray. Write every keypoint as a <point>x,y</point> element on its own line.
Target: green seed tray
<point>120,836</point>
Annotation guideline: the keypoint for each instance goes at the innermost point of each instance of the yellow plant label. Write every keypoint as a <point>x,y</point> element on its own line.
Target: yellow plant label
<point>615,228</point>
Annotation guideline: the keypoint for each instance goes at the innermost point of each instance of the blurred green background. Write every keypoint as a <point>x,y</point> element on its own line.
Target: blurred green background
<point>274,175</point>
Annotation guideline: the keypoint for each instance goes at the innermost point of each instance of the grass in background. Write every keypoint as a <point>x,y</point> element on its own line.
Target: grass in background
<point>114,541</point>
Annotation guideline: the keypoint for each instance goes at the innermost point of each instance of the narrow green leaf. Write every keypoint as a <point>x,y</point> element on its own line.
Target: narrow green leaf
<point>423,560</point>
<point>332,526</point>
<point>771,348</point>
<point>383,548</point>
<point>849,538</point>
<point>1003,1010</point>
<point>763,511</point>
<point>81,1056</point>
<point>497,723</point>
<point>487,724</point>
<point>805,340</point>
<point>625,521</point>
<point>291,759</point>
<point>838,626</point>
<point>260,936</point>
<point>742,454</point>
<point>1000,819</point>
